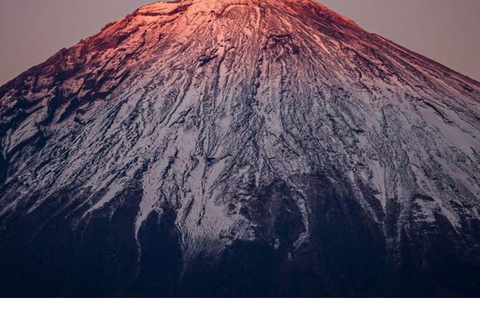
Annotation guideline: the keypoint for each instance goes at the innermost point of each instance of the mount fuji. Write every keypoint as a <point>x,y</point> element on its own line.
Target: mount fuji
<point>239,148</point>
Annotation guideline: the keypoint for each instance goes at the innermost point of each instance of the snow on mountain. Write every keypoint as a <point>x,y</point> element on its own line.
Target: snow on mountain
<point>239,148</point>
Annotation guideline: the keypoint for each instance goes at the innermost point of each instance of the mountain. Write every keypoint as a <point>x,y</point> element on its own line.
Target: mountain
<point>239,148</point>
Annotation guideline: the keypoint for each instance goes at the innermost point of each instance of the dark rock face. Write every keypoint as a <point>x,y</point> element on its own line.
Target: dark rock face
<point>239,149</point>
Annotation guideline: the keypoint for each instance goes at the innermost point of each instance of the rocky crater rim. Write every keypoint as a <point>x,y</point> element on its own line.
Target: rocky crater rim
<point>299,7</point>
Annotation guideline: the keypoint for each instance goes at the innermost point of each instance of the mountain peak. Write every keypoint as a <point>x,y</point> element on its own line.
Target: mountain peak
<point>239,148</point>
<point>219,6</point>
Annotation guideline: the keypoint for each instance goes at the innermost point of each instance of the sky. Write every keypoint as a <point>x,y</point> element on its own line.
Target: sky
<point>447,31</point>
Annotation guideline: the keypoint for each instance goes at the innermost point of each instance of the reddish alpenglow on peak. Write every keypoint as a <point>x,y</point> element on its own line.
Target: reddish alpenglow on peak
<point>239,148</point>
<point>292,7</point>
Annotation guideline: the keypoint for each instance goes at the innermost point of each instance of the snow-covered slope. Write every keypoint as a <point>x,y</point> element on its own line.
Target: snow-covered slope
<point>239,147</point>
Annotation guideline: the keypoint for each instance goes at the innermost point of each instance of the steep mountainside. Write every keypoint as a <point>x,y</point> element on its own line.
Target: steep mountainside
<point>239,148</point>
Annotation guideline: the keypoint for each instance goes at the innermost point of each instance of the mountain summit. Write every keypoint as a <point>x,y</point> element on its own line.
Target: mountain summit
<point>239,148</point>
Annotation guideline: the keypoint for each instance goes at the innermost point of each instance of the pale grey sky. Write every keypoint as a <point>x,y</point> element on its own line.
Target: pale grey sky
<point>447,31</point>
